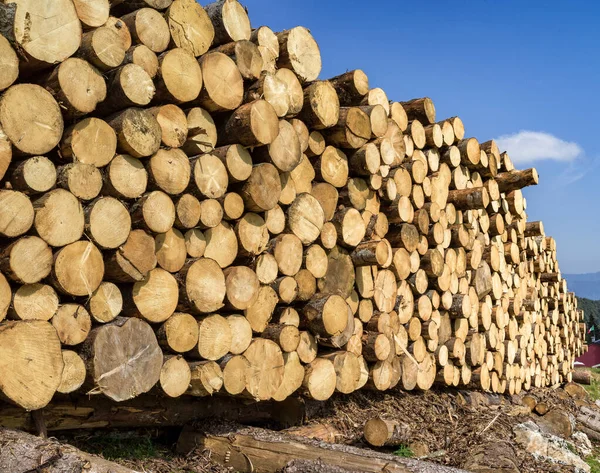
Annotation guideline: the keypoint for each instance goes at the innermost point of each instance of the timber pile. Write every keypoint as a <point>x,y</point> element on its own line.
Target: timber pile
<point>186,209</point>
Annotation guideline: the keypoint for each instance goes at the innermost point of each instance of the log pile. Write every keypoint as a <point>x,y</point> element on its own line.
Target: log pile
<point>187,209</point>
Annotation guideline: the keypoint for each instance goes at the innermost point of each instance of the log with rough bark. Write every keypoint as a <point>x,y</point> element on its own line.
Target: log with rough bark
<point>582,376</point>
<point>30,453</point>
<point>513,180</point>
<point>253,449</point>
<point>148,410</point>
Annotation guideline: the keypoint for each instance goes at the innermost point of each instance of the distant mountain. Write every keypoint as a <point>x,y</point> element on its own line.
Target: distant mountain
<point>584,285</point>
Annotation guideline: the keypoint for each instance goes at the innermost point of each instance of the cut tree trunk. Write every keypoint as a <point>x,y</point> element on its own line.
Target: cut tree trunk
<point>252,124</point>
<point>133,261</point>
<point>153,299</point>
<point>513,180</point>
<point>266,369</point>
<point>299,52</point>
<point>28,260</point>
<point>103,48</point>
<point>202,132</point>
<point>251,449</point>
<point>379,432</point>
<point>78,269</point>
<point>148,27</point>
<point>138,132</point>
<point>246,56</point>
<point>34,175</point>
<point>90,141</point>
<point>92,13</point>
<point>31,119</point>
<point>262,189</point>
<point>283,151</point>
<point>46,32</point>
<point>128,86</point>
<point>272,88</point>
<point>76,97</point>
<point>173,123</point>
<point>106,302</point>
<point>31,363</point>
<point>582,376</point>
<point>135,360</point>
<point>321,106</point>
<point>10,63</point>
<point>72,323</point>
<point>223,84</point>
<point>120,28</point>
<point>179,77</point>
<point>17,214</point>
<point>107,222</point>
<point>351,86</point>
<point>84,181</point>
<point>34,302</point>
<point>268,45</point>
<point>352,130</point>
<point>230,21</point>
<point>142,56</point>
<point>319,379</point>
<point>124,178</point>
<point>190,26</point>
<point>73,375</point>
<point>420,109</point>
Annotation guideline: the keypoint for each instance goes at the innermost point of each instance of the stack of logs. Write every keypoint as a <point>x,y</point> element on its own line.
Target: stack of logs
<point>186,209</point>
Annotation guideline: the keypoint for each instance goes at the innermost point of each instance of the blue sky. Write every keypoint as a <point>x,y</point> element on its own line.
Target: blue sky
<point>503,66</point>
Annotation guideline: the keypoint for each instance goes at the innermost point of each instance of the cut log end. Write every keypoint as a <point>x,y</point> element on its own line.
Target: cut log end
<point>32,363</point>
<point>134,365</point>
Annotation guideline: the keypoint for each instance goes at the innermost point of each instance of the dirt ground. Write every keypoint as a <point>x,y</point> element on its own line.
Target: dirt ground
<point>454,428</point>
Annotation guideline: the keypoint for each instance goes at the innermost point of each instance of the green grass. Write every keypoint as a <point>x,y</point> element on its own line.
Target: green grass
<point>594,388</point>
<point>405,451</point>
<point>594,464</point>
<point>113,446</point>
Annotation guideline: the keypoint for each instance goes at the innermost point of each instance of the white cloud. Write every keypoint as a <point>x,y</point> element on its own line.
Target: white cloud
<point>528,146</point>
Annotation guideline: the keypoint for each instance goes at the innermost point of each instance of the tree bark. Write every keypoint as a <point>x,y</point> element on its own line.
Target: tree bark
<point>30,453</point>
<point>268,451</point>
